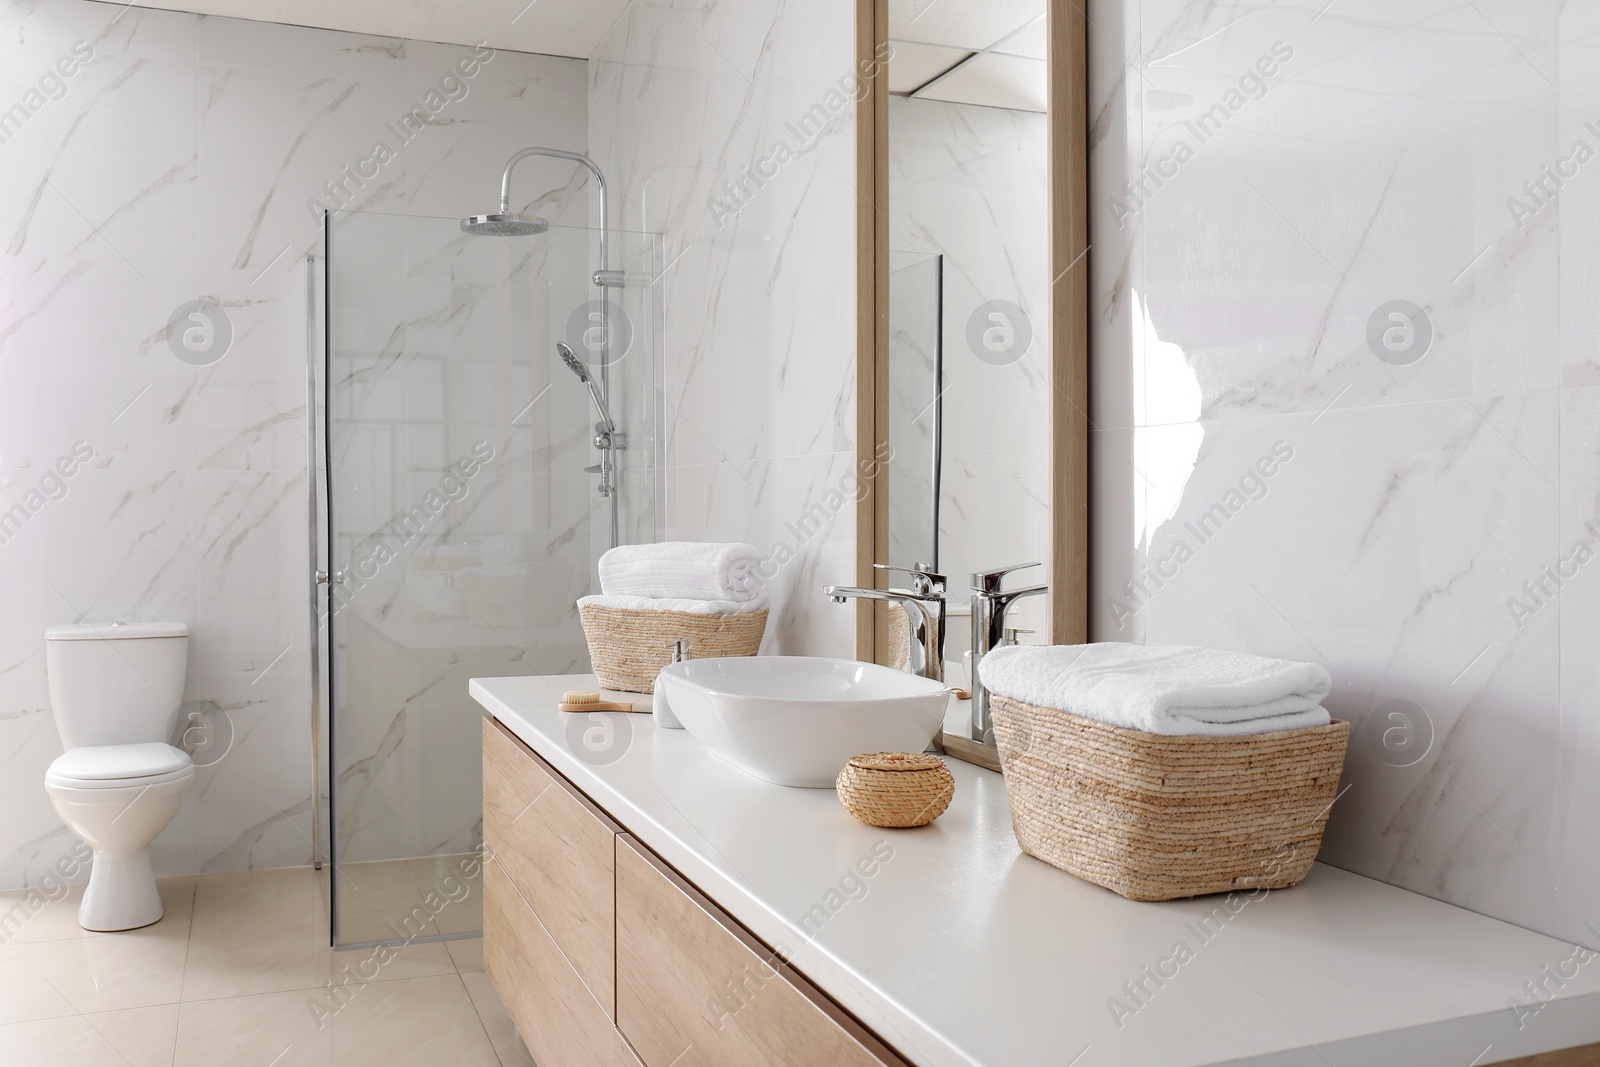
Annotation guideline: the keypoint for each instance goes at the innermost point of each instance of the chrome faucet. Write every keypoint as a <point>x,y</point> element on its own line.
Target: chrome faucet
<point>924,607</point>
<point>990,606</point>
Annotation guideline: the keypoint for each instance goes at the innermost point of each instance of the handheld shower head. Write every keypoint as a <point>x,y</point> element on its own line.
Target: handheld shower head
<point>575,365</point>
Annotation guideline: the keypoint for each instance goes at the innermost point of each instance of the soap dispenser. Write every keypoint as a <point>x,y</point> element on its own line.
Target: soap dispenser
<point>659,708</point>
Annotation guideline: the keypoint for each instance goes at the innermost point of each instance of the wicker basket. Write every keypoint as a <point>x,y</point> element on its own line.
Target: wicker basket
<point>628,648</point>
<point>1157,817</point>
<point>896,789</point>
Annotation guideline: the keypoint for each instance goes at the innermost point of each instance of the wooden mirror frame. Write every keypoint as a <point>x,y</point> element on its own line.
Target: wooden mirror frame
<point>1068,124</point>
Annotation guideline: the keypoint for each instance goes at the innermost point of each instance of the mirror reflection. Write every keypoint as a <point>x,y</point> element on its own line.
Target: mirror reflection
<point>969,283</point>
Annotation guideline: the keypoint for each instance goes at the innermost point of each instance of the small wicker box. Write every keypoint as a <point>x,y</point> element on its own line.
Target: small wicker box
<point>628,647</point>
<point>896,789</point>
<point>1158,816</point>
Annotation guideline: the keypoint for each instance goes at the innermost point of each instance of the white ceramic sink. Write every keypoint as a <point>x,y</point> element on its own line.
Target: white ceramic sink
<point>797,720</point>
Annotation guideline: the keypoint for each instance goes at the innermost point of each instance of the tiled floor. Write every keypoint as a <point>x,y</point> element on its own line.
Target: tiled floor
<point>238,973</point>
<point>389,899</point>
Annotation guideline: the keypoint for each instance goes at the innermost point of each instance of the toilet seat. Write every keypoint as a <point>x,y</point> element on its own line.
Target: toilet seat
<point>115,766</point>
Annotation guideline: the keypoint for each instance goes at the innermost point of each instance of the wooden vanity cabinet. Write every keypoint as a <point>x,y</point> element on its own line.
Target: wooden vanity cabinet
<point>558,850</point>
<point>606,957</point>
<point>693,987</point>
<point>557,1015</point>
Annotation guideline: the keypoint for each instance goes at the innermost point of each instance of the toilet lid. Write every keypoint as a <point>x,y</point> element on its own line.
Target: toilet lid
<point>119,631</point>
<point>95,763</point>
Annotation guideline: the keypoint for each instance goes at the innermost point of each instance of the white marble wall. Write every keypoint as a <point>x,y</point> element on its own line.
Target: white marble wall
<point>178,163</point>
<point>971,183</point>
<point>1378,516</point>
<point>757,289</point>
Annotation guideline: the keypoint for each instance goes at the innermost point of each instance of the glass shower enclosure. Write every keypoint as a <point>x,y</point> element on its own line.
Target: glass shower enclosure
<point>463,518</point>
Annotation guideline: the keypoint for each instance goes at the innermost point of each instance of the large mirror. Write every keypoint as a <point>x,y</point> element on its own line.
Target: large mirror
<point>969,317</point>
<point>972,332</point>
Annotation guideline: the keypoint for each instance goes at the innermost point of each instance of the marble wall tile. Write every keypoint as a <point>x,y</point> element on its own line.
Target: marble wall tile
<point>1418,529</point>
<point>756,286</point>
<point>182,162</point>
<point>793,511</point>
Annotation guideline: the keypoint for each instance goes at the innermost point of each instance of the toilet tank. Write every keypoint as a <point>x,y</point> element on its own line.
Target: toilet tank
<point>116,684</point>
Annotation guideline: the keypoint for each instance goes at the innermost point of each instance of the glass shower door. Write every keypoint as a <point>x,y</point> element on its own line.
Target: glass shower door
<point>463,526</point>
<point>916,384</point>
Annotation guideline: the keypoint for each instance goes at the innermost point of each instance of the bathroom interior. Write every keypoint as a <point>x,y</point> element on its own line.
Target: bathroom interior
<point>647,534</point>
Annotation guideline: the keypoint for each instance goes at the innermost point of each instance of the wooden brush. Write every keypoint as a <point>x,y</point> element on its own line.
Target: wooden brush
<point>589,701</point>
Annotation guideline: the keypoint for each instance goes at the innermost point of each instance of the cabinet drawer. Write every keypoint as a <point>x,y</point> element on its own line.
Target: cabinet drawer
<point>696,990</point>
<point>558,850</point>
<point>557,1014</point>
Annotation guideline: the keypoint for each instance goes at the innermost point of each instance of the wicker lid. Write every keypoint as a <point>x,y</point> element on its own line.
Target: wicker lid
<point>897,761</point>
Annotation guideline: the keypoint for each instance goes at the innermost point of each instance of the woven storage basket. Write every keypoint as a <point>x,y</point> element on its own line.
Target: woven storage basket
<point>896,789</point>
<point>628,648</point>
<point>1156,816</point>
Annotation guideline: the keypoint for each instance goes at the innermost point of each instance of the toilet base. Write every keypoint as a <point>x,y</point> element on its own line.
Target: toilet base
<point>121,894</point>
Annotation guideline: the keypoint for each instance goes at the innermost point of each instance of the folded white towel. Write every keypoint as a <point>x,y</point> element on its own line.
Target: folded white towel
<point>1162,689</point>
<point>682,570</point>
<point>696,607</point>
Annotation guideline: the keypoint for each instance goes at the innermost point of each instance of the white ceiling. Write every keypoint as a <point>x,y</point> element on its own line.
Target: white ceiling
<point>553,27</point>
<point>987,52</point>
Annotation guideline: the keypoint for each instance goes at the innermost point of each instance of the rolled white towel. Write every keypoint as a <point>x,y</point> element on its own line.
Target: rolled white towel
<point>682,570</point>
<point>694,607</point>
<point>1162,689</point>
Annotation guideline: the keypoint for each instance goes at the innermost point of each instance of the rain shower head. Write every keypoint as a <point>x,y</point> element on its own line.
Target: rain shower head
<point>504,225</point>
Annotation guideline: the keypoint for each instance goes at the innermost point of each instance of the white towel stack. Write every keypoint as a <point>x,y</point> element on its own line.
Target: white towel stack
<point>692,576</point>
<point>1162,689</point>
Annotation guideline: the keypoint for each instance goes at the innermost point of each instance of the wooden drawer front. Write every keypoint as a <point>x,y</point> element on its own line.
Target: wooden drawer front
<point>556,1013</point>
<point>694,989</point>
<point>558,850</point>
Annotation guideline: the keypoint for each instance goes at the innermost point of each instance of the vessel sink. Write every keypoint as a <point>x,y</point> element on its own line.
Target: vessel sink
<point>797,720</point>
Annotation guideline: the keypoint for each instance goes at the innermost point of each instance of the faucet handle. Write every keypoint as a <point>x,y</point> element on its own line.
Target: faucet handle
<point>1012,633</point>
<point>925,580</point>
<point>990,581</point>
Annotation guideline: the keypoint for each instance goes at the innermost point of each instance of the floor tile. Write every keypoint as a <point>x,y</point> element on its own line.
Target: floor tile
<point>142,1037</point>
<point>228,959</point>
<point>467,952</point>
<point>357,927</point>
<point>497,1022</point>
<point>285,893</point>
<point>65,1042</point>
<point>22,995</point>
<point>28,916</point>
<point>461,917</point>
<point>444,874</point>
<point>392,962</point>
<point>99,972</point>
<point>420,1022</point>
<point>380,886</point>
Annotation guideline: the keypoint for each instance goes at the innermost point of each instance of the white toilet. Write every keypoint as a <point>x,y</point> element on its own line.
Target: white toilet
<point>115,691</point>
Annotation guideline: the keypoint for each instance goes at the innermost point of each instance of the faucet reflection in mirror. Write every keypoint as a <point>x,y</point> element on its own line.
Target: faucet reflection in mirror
<point>990,608</point>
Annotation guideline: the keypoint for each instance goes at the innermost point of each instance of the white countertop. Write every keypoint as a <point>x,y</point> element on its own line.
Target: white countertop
<point>961,950</point>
